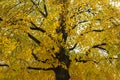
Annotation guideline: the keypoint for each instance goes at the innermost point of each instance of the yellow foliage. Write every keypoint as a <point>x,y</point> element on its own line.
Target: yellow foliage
<point>75,39</point>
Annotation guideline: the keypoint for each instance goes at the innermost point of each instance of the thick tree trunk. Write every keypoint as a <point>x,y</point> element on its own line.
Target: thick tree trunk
<point>61,73</point>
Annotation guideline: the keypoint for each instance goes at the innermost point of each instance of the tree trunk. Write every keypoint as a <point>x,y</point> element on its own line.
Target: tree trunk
<point>61,73</point>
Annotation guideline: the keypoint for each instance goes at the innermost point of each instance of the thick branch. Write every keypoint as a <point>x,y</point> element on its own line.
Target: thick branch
<point>34,39</point>
<point>46,12</point>
<point>63,26</point>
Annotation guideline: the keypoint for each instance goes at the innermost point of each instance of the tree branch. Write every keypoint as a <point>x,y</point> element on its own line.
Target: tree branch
<point>34,39</point>
<point>4,65</point>
<point>99,46</point>
<point>92,31</point>
<point>97,30</point>
<point>65,35</point>
<point>34,27</point>
<point>45,9</point>
<point>13,7</point>
<point>34,3</point>
<point>95,46</point>
<point>1,19</point>
<point>38,68</point>
<point>83,21</point>
<point>73,47</point>
<point>85,61</point>
<point>46,12</point>
<point>35,57</point>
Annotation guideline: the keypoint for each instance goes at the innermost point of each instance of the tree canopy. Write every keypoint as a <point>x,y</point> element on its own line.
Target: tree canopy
<point>59,40</point>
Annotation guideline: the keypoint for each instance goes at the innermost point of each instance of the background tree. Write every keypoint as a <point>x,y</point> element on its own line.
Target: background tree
<point>77,40</point>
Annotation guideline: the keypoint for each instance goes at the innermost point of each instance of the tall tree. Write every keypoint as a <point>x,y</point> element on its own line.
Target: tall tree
<point>76,40</point>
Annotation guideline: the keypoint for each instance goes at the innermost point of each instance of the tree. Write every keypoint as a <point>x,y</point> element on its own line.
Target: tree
<point>70,38</point>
